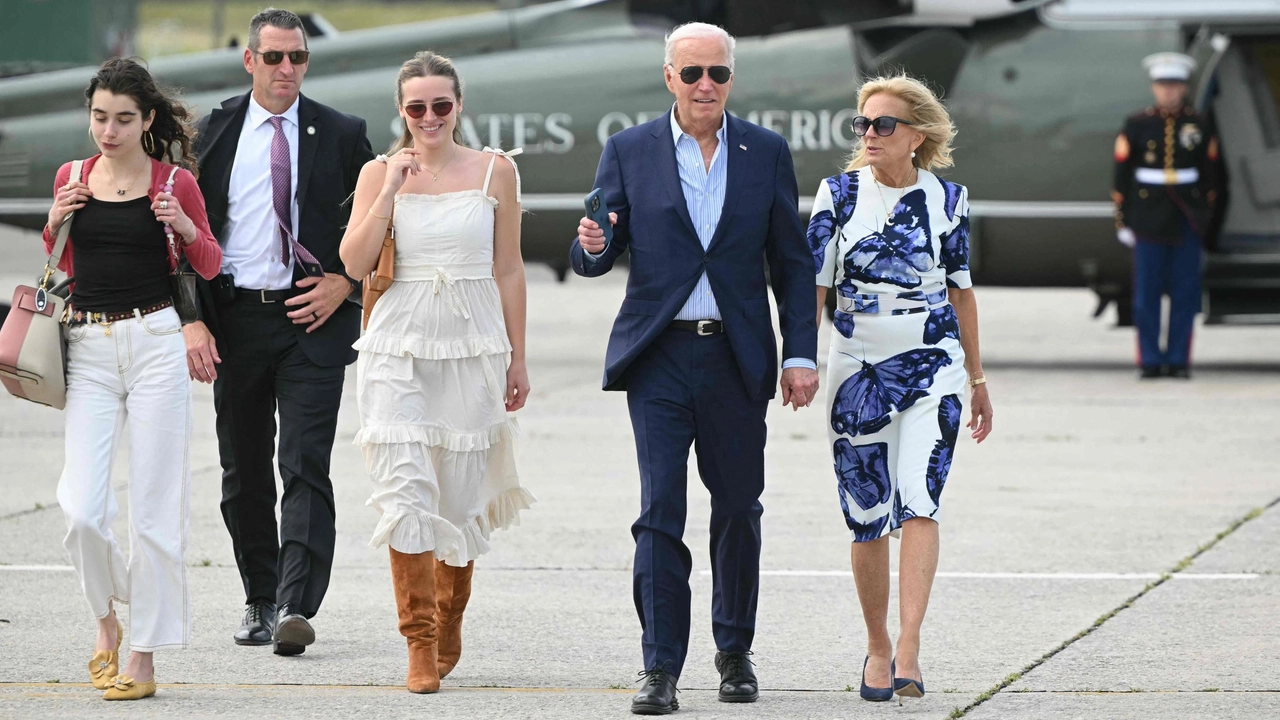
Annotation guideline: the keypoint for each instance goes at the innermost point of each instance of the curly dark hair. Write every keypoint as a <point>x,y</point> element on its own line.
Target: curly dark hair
<point>172,128</point>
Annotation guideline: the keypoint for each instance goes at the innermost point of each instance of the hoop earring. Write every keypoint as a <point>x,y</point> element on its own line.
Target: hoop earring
<point>149,143</point>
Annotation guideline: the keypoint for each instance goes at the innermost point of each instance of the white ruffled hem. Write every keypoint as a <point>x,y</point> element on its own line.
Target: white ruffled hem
<point>423,349</point>
<point>437,436</point>
<point>414,533</point>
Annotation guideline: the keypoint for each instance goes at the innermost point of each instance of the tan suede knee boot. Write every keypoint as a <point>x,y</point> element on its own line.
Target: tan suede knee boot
<point>453,587</point>
<point>414,578</point>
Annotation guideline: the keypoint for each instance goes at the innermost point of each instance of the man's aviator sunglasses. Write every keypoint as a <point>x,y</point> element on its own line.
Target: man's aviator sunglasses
<point>693,73</point>
<point>275,57</point>
<point>884,125</point>
<point>416,110</point>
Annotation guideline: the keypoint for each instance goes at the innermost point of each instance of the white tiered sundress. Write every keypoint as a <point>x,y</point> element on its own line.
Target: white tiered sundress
<point>437,440</point>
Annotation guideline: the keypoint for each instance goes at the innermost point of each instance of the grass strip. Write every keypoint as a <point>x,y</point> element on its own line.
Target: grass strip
<point>1182,564</point>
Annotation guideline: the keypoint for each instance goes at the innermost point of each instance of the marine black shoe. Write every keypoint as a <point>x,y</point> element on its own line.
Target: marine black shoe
<point>1181,372</point>
<point>292,633</point>
<point>1150,372</point>
<point>658,694</point>
<point>738,682</point>
<point>258,625</point>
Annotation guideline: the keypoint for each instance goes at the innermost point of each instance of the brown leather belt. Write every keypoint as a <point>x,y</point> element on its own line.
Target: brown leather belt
<point>702,327</point>
<point>80,317</point>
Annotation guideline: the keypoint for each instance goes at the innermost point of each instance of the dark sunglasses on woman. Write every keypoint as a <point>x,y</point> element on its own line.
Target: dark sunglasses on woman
<point>275,57</point>
<point>693,73</point>
<point>884,125</point>
<point>416,110</point>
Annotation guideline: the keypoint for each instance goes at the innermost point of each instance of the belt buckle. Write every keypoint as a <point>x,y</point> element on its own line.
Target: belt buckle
<point>704,324</point>
<point>262,295</point>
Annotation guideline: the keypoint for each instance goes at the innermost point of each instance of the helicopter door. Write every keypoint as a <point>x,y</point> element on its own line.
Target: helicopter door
<point>1239,87</point>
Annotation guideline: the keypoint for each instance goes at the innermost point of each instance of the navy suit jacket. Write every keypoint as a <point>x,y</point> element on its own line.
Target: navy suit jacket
<point>760,223</point>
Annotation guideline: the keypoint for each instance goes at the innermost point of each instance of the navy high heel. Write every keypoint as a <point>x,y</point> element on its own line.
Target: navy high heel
<point>906,687</point>
<point>874,694</point>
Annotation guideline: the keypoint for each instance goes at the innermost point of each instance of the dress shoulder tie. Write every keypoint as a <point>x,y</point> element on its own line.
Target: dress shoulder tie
<point>509,155</point>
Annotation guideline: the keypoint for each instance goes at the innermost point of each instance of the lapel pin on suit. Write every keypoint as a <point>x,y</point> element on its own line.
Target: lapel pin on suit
<point>311,129</point>
<point>744,147</point>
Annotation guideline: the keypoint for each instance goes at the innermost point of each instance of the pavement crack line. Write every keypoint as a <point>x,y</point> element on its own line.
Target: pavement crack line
<point>1182,564</point>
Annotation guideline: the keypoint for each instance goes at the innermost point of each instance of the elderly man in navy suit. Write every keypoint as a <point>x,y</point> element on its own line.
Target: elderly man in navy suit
<point>702,200</point>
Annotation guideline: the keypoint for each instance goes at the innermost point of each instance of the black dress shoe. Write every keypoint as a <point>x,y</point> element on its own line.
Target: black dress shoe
<point>1181,372</point>
<point>657,696</point>
<point>259,623</point>
<point>293,633</point>
<point>738,682</point>
<point>1150,372</point>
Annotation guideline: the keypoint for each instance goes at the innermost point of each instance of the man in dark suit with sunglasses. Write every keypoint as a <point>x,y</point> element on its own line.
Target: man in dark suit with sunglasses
<point>703,200</point>
<point>277,325</point>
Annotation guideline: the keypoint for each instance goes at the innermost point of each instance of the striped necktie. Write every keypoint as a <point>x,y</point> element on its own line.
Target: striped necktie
<point>281,195</point>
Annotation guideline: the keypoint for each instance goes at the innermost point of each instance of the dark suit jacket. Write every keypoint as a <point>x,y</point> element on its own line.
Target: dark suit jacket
<point>759,223</point>
<point>329,163</point>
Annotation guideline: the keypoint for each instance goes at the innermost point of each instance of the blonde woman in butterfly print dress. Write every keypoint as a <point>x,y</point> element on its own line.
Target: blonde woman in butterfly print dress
<point>442,360</point>
<point>892,239</point>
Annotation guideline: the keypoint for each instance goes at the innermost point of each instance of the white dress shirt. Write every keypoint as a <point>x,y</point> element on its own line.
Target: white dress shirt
<point>251,252</point>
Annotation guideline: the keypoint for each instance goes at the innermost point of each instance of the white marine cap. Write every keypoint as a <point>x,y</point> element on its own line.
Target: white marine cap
<point>1169,66</point>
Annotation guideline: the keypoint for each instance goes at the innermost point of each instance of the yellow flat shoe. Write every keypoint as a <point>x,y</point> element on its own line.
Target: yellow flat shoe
<point>105,664</point>
<point>126,688</point>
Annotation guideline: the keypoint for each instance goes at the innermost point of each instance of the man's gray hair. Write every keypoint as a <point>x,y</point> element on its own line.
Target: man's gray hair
<point>699,30</point>
<point>276,18</point>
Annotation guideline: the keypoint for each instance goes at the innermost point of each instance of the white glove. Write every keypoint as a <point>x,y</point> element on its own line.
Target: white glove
<point>1126,236</point>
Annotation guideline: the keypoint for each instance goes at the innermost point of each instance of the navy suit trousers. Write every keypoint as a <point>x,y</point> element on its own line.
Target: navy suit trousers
<point>687,390</point>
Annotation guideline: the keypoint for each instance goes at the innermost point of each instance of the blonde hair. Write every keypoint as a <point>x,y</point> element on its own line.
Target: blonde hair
<point>426,64</point>
<point>924,109</point>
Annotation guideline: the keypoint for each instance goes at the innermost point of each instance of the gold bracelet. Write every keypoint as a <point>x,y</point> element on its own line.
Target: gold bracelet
<point>980,380</point>
<point>380,217</point>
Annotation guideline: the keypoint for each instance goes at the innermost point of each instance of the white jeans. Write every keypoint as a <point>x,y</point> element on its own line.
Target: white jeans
<point>135,376</point>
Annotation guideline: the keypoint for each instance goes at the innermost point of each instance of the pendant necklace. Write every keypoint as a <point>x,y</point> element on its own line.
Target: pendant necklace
<point>435,174</point>
<point>880,194</point>
<point>122,191</point>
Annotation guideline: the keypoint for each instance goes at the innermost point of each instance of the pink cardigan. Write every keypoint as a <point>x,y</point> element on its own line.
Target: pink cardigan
<point>204,253</point>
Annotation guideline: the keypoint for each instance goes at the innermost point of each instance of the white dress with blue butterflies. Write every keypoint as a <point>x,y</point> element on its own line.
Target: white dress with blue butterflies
<point>895,373</point>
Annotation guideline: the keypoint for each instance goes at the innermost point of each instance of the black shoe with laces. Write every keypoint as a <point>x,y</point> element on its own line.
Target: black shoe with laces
<point>292,633</point>
<point>657,694</point>
<point>738,682</point>
<point>258,625</point>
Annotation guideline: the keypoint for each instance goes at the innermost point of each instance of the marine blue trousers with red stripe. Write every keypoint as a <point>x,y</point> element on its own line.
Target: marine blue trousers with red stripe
<point>1161,269</point>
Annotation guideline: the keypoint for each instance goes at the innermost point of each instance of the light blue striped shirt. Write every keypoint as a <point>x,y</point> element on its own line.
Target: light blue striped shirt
<point>704,190</point>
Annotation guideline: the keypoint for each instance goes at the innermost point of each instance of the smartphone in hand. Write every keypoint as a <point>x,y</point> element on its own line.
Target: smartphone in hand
<point>598,211</point>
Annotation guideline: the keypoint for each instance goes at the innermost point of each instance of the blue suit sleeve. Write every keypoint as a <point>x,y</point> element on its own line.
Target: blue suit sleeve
<point>791,266</point>
<point>608,179</point>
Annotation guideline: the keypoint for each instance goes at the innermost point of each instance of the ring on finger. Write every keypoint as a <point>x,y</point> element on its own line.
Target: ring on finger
<point>164,204</point>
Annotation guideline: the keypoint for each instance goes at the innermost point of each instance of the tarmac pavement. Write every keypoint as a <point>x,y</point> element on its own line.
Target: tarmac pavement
<point>1110,552</point>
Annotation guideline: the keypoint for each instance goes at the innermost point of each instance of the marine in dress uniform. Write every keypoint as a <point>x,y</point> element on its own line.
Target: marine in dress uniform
<point>1166,186</point>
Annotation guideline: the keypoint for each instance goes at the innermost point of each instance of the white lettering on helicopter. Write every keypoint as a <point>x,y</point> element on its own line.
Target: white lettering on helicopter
<point>537,133</point>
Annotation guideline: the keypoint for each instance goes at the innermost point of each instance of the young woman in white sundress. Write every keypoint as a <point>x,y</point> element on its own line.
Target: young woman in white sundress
<point>442,361</point>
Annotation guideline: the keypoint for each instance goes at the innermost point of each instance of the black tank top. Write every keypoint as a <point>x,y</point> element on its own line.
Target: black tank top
<point>121,256</point>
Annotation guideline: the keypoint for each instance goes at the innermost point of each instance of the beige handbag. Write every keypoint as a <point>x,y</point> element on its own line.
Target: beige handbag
<point>33,362</point>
